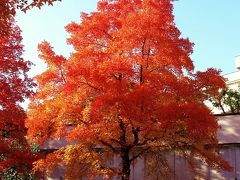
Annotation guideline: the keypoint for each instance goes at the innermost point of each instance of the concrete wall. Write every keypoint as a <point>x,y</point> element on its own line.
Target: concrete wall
<point>229,139</point>
<point>180,168</point>
<point>233,79</point>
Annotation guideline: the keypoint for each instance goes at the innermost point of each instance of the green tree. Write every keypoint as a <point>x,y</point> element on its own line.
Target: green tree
<point>228,101</point>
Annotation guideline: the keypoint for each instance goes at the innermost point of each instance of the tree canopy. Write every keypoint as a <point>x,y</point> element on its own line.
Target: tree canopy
<point>14,87</point>
<point>16,156</point>
<point>128,87</point>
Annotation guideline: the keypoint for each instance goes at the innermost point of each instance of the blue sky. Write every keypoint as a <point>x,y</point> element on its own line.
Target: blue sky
<point>212,25</point>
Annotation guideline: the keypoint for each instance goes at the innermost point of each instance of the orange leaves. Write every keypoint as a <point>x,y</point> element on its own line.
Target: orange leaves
<point>78,162</point>
<point>54,77</point>
<point>48,55</point>
<point>128,84</point>
<point>210,83</point>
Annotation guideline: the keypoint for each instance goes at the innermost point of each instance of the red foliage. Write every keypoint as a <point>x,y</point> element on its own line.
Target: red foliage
<point>14,87</point>
<point>129,83</point>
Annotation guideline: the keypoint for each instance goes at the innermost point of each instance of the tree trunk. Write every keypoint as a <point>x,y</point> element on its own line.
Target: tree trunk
<point>223,110</point>
<point>125,174</point>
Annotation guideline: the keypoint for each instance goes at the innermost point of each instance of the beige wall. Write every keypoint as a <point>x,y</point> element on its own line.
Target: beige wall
<point>229,139</point>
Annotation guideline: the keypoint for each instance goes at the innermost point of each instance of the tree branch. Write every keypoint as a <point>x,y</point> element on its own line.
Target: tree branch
<point>108,145</point>
<point>110,37</point>
<point>87,83</point>
<point>139,154</point>
<point>123,130</point>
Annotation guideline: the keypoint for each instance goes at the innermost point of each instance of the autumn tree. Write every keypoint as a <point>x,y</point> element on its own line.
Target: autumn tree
<point>15,153</point>
<point>14,87</point>
<point>128,89</point>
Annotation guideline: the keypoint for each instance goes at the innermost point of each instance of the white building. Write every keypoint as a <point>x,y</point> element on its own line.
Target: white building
<point>233,79</point>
